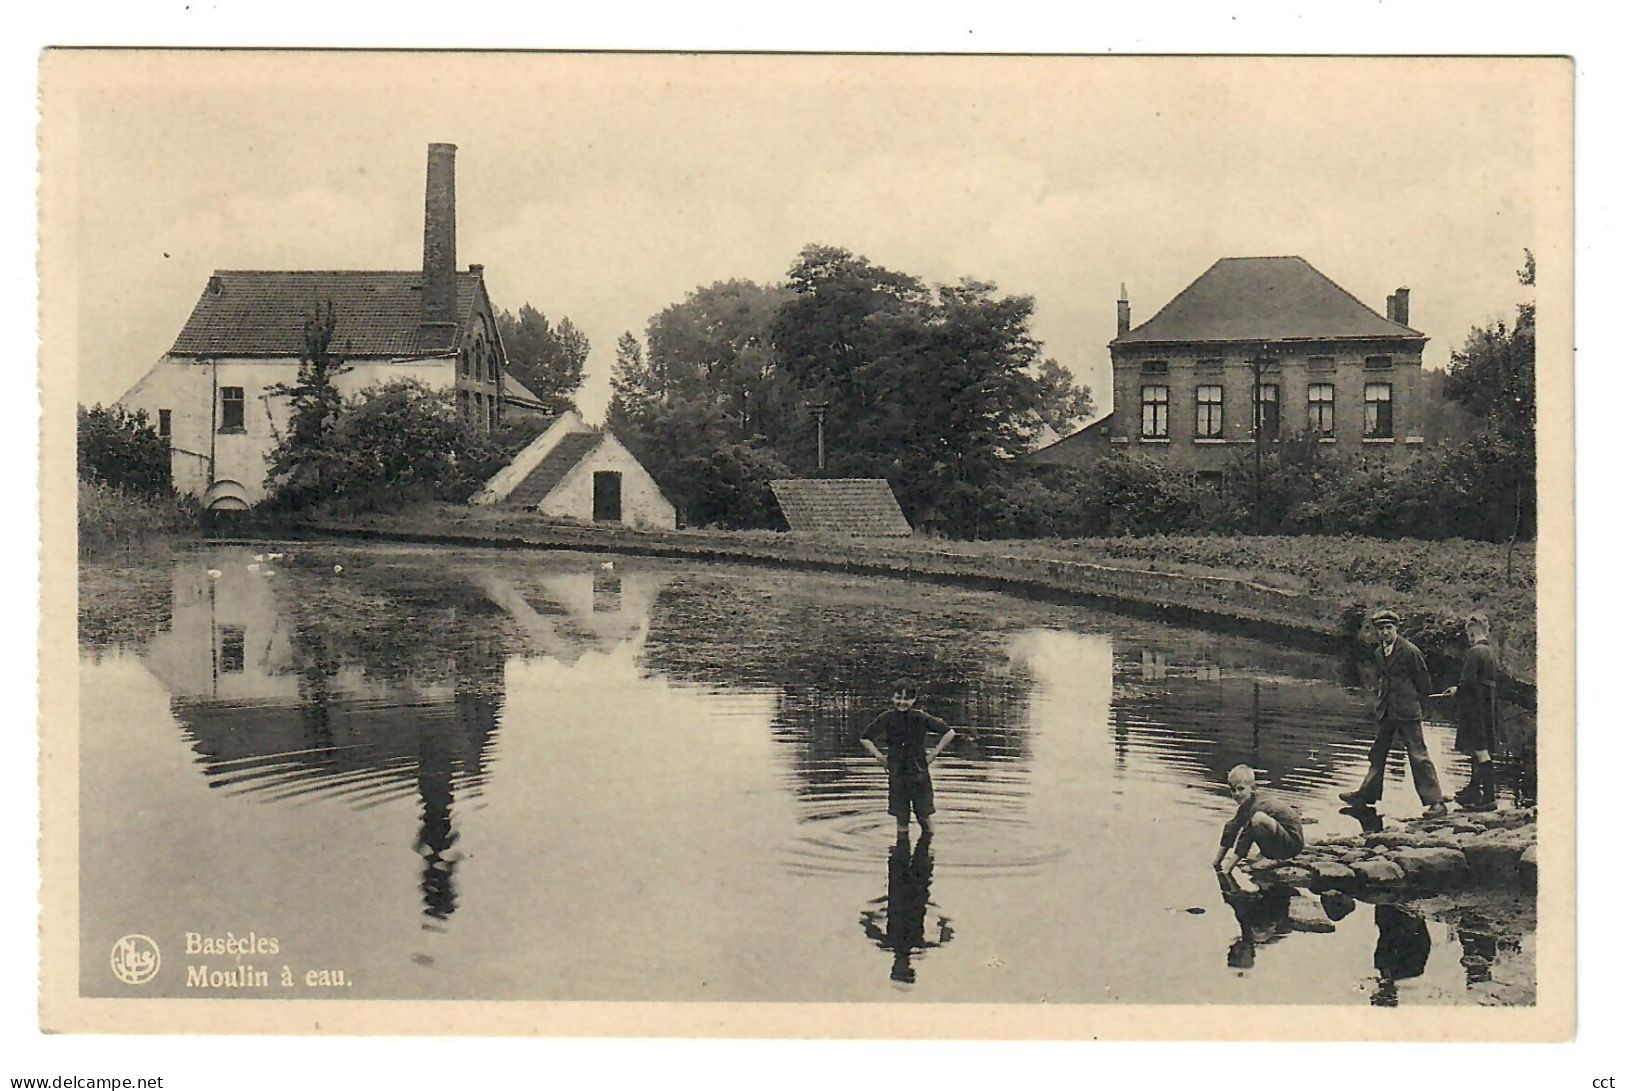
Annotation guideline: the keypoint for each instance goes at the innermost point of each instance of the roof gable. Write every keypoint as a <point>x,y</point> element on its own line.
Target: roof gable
<point>262,313</point>
<point>570,450</point>
<point>1263,299</point>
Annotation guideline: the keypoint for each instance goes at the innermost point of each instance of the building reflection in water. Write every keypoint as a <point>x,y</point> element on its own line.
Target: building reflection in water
<point>898,922</point>
<point>1200,709</point>
<point>284,696</point>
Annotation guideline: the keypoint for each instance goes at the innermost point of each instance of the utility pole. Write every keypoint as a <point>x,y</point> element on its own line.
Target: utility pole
<point>1259,362</point>
<point>819,411</point>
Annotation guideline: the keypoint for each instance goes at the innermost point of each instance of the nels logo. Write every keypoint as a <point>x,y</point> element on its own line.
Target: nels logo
<point>135,959</point>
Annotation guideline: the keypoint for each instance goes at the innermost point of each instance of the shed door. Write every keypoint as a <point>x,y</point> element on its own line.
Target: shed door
<point>606,496</point>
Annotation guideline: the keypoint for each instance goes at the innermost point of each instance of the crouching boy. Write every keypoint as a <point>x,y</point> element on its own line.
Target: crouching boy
<point>907,759</point>
<point>1262,818</point>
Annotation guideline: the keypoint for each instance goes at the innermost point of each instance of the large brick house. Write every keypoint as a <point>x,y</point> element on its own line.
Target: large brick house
<point>213,394</point>
<point>1265,346</point>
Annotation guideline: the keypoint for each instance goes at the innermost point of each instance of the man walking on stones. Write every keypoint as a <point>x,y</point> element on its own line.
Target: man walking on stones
<point>1401,678</point>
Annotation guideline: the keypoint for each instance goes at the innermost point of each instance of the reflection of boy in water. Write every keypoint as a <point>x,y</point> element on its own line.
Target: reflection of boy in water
<point>1402,951</point>
<point>1262,818</point>
<point>907,760</point>
<point>1262,914</point>
<point>908,896</point>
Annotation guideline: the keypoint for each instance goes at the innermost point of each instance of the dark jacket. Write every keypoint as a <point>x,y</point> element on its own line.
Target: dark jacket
<point>1402,681</point>
<point>1475,693</point>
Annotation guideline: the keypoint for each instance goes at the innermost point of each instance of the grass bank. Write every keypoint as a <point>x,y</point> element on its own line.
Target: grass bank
<point>111,519</point>
<point>1287,588</point>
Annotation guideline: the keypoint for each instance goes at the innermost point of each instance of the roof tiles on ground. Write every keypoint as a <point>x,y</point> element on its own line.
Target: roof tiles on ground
<point>857,506</point>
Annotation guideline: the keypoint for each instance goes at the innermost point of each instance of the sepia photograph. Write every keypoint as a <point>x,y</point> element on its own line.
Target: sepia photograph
<point>830,545</point>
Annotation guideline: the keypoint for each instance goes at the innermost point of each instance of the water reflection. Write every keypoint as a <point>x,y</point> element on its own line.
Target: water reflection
<point>1403,946</point>
<point>1263,916</point>
<point>443,720</point>
<point>288,693</point>
<point>896,922</point>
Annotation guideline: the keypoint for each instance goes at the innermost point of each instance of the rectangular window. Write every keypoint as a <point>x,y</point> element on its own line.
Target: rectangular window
<point>1267,411</point>
<point>1154,367</point>
<point>1320,408</point>
<point>1379,362</point>
<point>462,363</point>
<point>493,414</point>
<point>1379,411</point>
<point>1209,412</point>
<point>1322,363</point>
<point>231,649</point>
<point>1154,412</point>
<point>1211,363</point>
<point>231,409</point>
<point>163,424</point>
<point>462,404</point>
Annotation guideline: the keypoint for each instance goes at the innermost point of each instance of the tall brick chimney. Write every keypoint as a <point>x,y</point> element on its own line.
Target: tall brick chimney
<point>1122,309</point>
<point>440,236</point>
<point>1402,306</point>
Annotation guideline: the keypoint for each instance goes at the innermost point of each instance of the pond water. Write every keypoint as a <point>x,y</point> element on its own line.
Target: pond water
<point>406,773</point>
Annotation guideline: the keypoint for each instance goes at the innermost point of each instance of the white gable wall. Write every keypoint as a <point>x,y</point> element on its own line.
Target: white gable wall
<point>642,504</point>
<point>190,391</point>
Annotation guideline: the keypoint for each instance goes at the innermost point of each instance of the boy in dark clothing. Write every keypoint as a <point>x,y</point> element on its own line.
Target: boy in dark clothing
<point>1262,818</point>
<point>1475,715</point>
<point>1402,679</point>
<point>906,759</point>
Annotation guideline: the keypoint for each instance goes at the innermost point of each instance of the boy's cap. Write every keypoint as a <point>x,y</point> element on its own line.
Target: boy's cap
<point>1384,615</point>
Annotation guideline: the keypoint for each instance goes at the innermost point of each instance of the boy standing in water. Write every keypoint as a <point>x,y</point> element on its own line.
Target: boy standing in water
<point>906,759</point>
<point>1262,818</point>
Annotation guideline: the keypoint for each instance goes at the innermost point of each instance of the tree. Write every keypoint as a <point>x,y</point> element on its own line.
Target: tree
<point>302,457</point>
<point>1493,376</point>
<point>548,359</point>
<point>717,344</point>
<point>1062,404</point>
<point>933,389</point>
<point>390,445</point>
<point>122,449</point>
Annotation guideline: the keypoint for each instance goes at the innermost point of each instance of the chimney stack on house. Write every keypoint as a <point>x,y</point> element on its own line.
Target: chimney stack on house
<point>1122,309</point>
<point>440,236</point>
<point>1402,306</point>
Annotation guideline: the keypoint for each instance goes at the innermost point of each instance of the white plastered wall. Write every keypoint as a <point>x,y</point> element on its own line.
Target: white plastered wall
<point>189,390</point>
<point>642,504</point>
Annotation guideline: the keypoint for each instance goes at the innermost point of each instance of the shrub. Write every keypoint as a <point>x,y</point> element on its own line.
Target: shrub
<point>122,449</point>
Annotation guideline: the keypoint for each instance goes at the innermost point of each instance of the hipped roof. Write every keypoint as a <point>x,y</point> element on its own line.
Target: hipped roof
<point>1263,299</point>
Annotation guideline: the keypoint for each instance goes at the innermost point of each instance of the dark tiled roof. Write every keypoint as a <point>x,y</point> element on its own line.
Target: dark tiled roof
<point>852,505</point>
<point>1263,299</point>
<point>518,391</point>
<point>258,313</point>
<point>1080,444</point>
<point>551,470</point>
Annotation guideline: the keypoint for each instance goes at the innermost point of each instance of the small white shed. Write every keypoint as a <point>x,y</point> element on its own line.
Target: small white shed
<point>575,471</point>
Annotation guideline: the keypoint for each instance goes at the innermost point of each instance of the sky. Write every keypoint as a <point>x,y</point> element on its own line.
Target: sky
<point>605,188</point>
